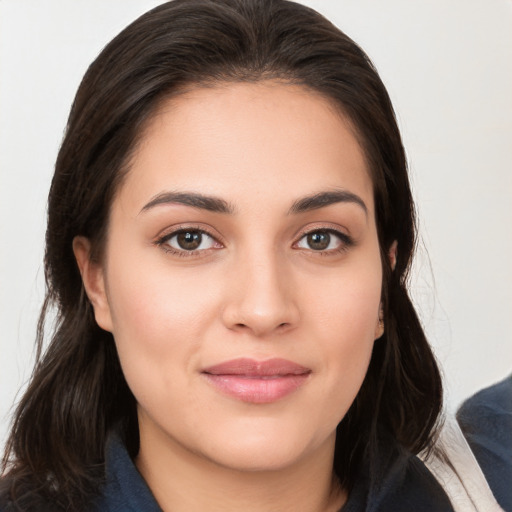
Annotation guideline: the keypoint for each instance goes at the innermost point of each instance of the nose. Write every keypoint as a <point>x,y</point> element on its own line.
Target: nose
<point>262,299</point>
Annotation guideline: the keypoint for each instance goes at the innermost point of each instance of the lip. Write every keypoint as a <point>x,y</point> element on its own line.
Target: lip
<point>258,382</point>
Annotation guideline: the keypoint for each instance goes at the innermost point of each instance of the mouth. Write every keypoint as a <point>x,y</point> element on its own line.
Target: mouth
<point>257,382</point>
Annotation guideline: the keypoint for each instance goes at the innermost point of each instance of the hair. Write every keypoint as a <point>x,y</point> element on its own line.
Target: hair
<point>77,394</point>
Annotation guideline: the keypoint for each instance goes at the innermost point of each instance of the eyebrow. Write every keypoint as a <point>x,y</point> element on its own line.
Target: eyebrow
<point>323,199</point>
<point>210,203</point>
<point>217,205</point>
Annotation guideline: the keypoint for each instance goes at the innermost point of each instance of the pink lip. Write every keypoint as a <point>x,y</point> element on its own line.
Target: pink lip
<point>258,382</point>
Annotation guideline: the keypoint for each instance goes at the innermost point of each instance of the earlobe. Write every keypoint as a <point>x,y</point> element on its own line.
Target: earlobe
<point>93,281</point>
<point>379,328</point>
<point>392,254</point>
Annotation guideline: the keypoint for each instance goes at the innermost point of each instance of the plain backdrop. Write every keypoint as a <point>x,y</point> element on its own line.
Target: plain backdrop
<point>448,67</point>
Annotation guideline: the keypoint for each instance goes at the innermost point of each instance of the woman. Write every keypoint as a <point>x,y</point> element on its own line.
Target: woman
<point>230,227</point>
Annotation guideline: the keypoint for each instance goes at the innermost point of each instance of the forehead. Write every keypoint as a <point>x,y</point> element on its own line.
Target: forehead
<point>263,138</point>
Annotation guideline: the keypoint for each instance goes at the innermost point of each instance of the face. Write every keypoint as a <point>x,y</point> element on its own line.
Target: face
<point>242,275</point>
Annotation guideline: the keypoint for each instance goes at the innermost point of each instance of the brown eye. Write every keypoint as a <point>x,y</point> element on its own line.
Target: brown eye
<point>324,240</point>
<point>319,240</point>
<point>190,240</point>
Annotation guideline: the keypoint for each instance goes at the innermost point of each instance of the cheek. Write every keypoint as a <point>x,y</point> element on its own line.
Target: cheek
<point>156,302</point>
<point>344,321</point>
<point>158,320</point>
<point>346,305</point>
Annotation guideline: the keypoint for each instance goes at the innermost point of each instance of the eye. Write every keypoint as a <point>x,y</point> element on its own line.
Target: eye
<point>322,240</point>
<point>188,240</point>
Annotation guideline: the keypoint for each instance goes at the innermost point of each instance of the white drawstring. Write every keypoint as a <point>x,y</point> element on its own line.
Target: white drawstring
<point>461,477</point>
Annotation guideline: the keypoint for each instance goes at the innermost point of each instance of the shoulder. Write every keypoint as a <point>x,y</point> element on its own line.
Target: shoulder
<point>125,490</point>
<point>486,421</point>
<point>122,489</point>
<point>397,481</point>
<point>490,408</point>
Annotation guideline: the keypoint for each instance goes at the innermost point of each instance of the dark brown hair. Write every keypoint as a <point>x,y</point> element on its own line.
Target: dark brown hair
<point>77,393</point>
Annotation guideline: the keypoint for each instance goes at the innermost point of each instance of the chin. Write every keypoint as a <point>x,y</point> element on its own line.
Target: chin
<point>256,458</point>
<point>264,449</point>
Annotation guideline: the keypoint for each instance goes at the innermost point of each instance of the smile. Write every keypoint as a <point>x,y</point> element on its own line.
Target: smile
<point>258,382</point>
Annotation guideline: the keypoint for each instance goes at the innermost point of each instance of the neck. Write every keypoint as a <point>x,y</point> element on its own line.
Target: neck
<point>184,481</point>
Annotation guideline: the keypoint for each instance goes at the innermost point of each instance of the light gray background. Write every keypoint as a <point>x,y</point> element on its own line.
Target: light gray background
<point>448,67</point>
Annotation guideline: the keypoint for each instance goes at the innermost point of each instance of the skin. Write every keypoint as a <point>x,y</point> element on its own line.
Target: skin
<point>254,288</point>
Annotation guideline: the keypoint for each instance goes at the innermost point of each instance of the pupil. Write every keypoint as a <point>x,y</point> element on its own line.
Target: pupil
<point>319,240</point>
<point>189,240</point>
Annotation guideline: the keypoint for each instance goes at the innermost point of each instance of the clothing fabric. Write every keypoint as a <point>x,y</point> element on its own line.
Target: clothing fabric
<point>125,490</point>
<point>486,422</point>
<point>400,483</point>
<point>396,481</point>
<point>455,467</point>
<point>392,481</point>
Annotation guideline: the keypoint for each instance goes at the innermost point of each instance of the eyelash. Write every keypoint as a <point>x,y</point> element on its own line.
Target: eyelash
<point>163,242</point>
<point>346,241</point>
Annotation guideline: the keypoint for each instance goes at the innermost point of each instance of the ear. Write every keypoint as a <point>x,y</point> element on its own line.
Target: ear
<point>379,328</point>
<point>94,282</point>
<point>392,253</point>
